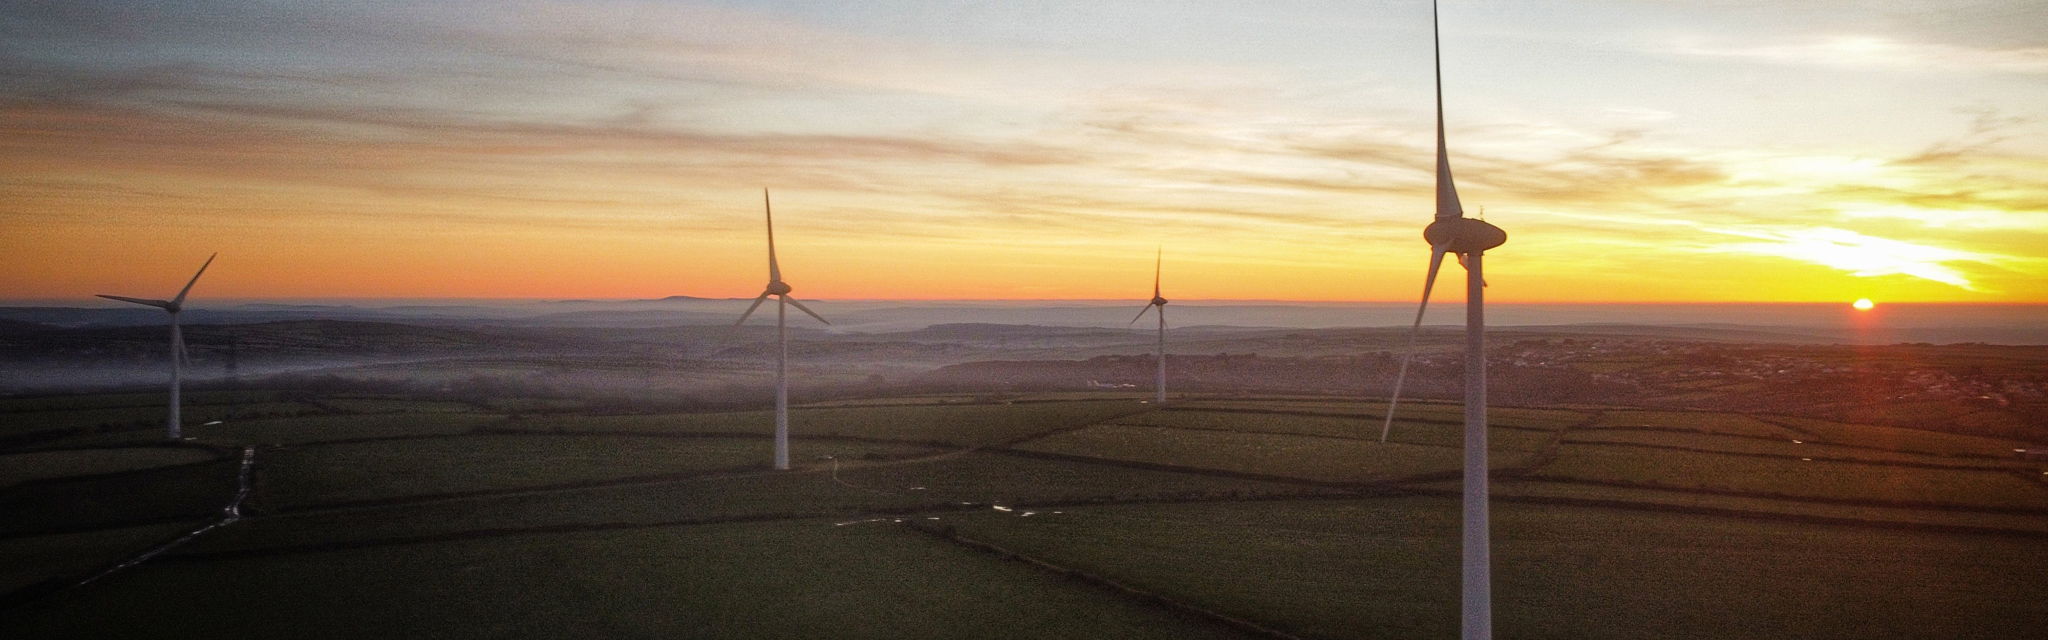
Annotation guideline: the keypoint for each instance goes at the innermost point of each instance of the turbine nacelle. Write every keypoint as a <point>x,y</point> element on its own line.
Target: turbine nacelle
<point>1156,300</point>
<point>1463,236</point>
<point>778,288</point>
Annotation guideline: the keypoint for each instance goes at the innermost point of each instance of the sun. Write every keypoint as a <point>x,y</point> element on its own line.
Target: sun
<point>1863,304</point>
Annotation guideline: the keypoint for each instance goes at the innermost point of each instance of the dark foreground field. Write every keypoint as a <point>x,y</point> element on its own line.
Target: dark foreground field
<point>1056,515</point>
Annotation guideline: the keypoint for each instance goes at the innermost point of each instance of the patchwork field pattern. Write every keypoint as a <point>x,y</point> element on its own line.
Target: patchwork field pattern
<point>1061,515</point>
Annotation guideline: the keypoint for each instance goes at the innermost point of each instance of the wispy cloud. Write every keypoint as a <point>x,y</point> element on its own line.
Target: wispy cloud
<point>614,118</point>
<point>1859,255</point>
<point>1870,51</point>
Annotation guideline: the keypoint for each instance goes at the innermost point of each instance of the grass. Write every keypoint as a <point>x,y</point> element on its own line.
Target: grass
<point>41,465</point>
<point>803,579</point>
<point>32,421</point>
<point>1332,427</point>
<point>1387,568</point>
<point>147,495</point>
<point>395,405</point>
<point>1795,478</point>
<point>1779,447</point>
<point>312,429</point>
<point>755,553</point>
<point>1726,423</point>
<point>147,399</point>
<point>1307,458</point>
<point>356,471</point>
<point>1903,439</point>
<point>978,479</point>
<point>1539,490</point>
<point>1257,422</point>
<point>955,425</point>
<point>25,561</point>
<point>1376,410</point>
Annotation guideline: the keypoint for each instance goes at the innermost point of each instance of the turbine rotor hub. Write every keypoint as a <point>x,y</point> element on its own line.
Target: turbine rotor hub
<point>778,288</point>
<point>1464,235</point>
<point>1158,301</point>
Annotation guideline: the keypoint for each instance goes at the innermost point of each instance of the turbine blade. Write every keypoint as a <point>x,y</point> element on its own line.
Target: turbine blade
<point>743,318</point>
<point>800,307</point>
<point>1436,261</point>
<point>751,308</point>
<point>1141,313</point>
<point>180,300</point>
<point>774,270</point>
<point>1157,261</point>
<point>1461,263</point>
<point>1446,191</point>
<point>160,304</point>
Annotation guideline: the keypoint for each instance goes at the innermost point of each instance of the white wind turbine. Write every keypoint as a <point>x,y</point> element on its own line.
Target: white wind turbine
<point>173,306</point>
<point>1160,303</point>
<point>1469,238</point>
<point>779,289</point>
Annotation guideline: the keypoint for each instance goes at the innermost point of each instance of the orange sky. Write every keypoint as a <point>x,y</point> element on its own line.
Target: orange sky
<point>616,150</point>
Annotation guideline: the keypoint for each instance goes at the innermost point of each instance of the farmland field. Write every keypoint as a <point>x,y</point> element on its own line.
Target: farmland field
<point>964,516</point>
<point>1388,568</point>
<point>39,465</point>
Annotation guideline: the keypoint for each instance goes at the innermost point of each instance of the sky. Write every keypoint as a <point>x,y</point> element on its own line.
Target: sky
<point>1634,150</point>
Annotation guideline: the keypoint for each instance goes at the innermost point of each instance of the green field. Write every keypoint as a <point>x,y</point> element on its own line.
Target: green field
<point>1727,423</point>
<point>794,579</point>
<point>1307,458</point>
<point>391,516</point>
<point>1387,568</point>
<point>947,424</point>
<point>1797,448</point>
<point>1796,478</point>
<point>374,470</point>
<point>42,465</point>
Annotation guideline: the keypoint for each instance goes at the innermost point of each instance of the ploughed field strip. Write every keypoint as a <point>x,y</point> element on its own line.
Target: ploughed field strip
<point>1230,506</point>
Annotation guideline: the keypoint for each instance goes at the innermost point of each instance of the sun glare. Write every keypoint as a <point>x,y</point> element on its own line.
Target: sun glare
<point>1863,304</point>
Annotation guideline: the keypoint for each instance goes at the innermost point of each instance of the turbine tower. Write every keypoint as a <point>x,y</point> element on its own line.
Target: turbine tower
<point>1469,238</point>
<point>1160,383</point>
<point>779,289</point>
<point>173,306</point>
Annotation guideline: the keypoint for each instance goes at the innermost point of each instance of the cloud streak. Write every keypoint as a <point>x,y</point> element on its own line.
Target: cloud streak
<point>1880,52</point>
<point>1860,255</point>
<point>590,122</point>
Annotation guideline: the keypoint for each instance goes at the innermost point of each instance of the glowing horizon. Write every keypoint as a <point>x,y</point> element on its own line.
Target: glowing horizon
<point>614,149</point>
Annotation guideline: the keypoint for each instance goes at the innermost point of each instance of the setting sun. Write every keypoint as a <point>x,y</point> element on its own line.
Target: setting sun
<point>1863,304</point>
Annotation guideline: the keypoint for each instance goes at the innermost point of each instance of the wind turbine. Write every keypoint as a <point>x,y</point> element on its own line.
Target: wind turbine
<point>1469,238</point>
<point>779,289</point>
<point>1159,302</point>
<point>173,306</point>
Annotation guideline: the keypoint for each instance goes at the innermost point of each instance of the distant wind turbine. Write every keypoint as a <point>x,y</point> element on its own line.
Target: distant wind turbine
<point>779,289</point>
<point>1452,232</point>
<point>173,306</point>
<point>1160,303</point>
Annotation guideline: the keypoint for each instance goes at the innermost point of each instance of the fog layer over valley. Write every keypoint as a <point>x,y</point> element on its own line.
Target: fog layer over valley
<point>684,354</point>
